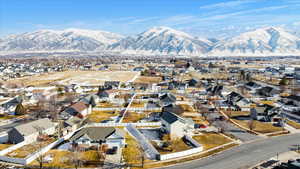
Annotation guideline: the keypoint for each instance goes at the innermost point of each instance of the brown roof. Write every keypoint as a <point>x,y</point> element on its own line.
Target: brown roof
<point>79,106</point>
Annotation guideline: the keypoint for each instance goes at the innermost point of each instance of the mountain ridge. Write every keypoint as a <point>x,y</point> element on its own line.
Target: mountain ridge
<point>156,40</point>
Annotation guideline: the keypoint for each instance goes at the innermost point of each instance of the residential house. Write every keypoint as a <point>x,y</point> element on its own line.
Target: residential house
<point>264,113</point>
<point>29,132</point>
<point>9,106</point>
<point>79,109</point>
<point>72,123</point>
<point>108,93</point>
<point>268,91</point>
<point>167,99</point>
<point>292,100</point>
<point>112,84</point>
<point>252,86</point>
<point>175,125</point>
<point>238,102</point>
<point>94,136</point>
<point>176,109</point>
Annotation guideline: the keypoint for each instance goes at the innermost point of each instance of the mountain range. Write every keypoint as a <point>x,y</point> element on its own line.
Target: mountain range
<point>268,41</point>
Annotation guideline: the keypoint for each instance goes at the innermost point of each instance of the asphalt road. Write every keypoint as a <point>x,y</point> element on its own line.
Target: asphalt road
<point>245,155</point>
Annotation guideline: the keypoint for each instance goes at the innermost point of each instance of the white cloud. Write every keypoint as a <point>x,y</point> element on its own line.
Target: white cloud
<point>229,4</point>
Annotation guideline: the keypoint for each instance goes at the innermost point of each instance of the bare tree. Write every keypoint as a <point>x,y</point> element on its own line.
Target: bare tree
<point>251,124</point>
<point>75,156</point>
<point>220,125</point>
<point>40,158</point>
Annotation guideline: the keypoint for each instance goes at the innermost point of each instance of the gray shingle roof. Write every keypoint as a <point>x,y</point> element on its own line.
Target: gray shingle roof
<point>94,133</point>
<point>32,127</point>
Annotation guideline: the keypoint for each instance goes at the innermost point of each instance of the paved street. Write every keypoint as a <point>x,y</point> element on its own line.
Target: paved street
<point>244,155</point>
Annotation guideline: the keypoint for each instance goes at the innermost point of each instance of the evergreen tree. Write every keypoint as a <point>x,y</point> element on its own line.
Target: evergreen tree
<point>20,109</point>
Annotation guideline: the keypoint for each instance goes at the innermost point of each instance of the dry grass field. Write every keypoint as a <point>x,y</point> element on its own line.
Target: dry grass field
<point>77,77</point>
<point>148,79</point>
<point>211,140</point>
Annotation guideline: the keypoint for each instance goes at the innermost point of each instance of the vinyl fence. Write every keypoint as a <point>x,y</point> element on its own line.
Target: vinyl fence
<point>125,124</point>
<point>181,153</point>
<point>154,109</point>
<point>145,144</point>
<point>192,141</point>
<point>29,159</point>
<point>12,148</point>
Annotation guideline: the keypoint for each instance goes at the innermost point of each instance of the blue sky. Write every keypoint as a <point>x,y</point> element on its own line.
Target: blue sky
<point>209,18</point>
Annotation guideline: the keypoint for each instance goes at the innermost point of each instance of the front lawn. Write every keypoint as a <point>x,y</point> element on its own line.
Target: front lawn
<point>211,140</point>
<point>293,124</point>
<point>260,127</point>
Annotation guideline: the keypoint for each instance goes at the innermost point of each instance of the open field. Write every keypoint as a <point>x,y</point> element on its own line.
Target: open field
<point>148,79</point>
<point>211,140</point>
<point>209,75</point>
<point>93,78</point>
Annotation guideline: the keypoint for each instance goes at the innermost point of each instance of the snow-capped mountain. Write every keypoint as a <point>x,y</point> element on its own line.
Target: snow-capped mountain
<point>163,40</point>
<point>69,39</point>
<point>270,40</point>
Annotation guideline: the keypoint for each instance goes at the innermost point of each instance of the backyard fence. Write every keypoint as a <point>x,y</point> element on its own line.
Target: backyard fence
<point>181,153</point>
<point>145,144</point>
<point>125,124</point>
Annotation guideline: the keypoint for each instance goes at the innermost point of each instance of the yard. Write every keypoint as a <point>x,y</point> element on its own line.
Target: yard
<point>260,127</point>
<point>106,105</point>
<point>67,159</point>
<point>172,146</point>
<point>137,104</point>
<point>133,117</point>
<point>187,108</point>
<point>4,146</point>
<point>233,114</point>
<point>293,124</point>
<point>98,116</point>
<point>29,149</point>
<point>196,118</point>
<point>132,152</point>
<point>211,140</point>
